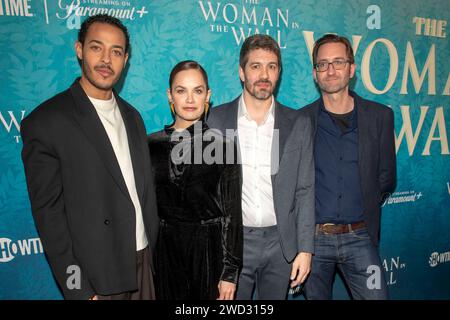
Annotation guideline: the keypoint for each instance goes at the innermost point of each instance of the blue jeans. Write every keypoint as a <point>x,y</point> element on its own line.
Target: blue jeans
<point>352,253</point>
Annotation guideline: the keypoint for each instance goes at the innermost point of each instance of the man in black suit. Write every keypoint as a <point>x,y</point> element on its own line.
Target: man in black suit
<point>278,176</point>
<point>354,157</point>
<point>89,178</point>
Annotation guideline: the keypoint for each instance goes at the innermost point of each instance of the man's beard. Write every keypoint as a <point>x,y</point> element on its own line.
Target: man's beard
<point>261,93</point>
<point>337,86</point>
<point>88,73</point>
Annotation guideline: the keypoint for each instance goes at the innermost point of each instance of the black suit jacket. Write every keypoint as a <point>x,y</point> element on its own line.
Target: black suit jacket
<point>292,174</point>
<point>79,199</point>
<point>376,156</point>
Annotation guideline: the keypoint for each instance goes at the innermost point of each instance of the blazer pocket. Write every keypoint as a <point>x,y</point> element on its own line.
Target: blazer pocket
<point>289,152</point>
<point>292,149</point>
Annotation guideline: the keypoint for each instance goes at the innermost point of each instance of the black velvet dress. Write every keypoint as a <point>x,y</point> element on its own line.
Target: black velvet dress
<point>199,205</point>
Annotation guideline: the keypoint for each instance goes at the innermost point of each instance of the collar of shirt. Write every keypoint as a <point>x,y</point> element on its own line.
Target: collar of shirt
<point>243,112</point>
<point>353,117</point>
<point>104,105</point>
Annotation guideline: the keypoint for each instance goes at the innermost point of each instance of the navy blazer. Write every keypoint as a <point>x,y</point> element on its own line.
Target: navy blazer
<point>376,156</point>
<point>292,179</point>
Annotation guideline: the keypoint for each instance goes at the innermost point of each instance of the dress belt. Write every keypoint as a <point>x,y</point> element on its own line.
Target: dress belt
<point>332,228</point>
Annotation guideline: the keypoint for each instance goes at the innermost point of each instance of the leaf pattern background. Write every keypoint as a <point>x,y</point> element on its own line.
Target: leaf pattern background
<point>38,61</point>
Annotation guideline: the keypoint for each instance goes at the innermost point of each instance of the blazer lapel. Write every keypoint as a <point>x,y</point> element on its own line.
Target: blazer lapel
<point>283,127</point>
<point>280,135</point>
<point>363,136</point>
<point>88,120</point>
<point>231,122</point>
<point>136,152</point>
<point>315,115</point>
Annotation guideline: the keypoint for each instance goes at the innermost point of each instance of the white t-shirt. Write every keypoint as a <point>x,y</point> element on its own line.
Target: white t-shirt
<point>112,121</point>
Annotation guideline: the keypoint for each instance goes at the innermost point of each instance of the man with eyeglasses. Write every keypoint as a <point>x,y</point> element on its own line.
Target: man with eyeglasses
<point>355,170</point>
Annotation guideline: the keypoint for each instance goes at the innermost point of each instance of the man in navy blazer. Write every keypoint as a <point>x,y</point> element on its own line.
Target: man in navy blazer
<point>355,170</point>
<point>275,149</point>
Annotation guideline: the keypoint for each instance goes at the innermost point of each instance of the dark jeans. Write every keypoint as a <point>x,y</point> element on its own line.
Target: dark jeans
<point>352,253</point>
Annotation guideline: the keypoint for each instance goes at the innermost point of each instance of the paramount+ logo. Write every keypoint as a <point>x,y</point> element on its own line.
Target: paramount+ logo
<point>10,249</point>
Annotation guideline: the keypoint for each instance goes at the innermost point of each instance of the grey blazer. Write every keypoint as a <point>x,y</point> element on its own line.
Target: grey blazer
<point>292,179</point>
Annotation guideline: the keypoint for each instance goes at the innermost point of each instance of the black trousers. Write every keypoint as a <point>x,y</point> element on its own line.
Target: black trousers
<point>146,289</point>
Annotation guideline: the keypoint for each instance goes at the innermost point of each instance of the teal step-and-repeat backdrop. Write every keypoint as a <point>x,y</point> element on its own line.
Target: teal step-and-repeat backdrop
<point>403,57</point>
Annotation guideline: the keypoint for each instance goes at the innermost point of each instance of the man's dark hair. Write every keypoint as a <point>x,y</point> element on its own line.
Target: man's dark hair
<point>103,18</point>
<point>258,41</point>
<point>333,38</point>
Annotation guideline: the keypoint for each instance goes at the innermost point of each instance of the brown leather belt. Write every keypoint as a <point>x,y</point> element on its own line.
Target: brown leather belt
<point>332,228</point>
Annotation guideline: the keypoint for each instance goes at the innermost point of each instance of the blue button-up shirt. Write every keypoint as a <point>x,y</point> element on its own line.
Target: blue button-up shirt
<point>338,189</point>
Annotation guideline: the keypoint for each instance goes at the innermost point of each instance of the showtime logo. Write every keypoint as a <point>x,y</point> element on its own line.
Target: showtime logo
<point>20,8</point>
<point>26,247</point>
<point>437,258</point>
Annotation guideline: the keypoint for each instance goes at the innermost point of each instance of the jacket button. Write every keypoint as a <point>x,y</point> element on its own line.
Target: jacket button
<point>106,222</point>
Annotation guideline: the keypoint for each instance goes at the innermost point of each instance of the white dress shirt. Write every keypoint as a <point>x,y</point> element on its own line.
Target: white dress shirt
<point>112,121</point>
<point>255,142</point>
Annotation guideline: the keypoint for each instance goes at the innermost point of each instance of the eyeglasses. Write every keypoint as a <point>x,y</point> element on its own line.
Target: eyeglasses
<point>337,65</point>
